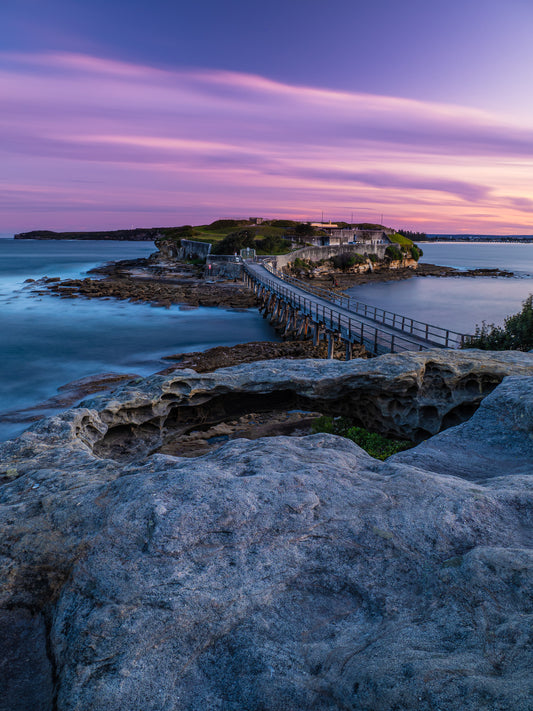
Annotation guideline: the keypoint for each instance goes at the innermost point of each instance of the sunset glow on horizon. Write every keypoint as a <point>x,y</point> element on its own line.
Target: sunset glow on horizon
<point>89,142</point>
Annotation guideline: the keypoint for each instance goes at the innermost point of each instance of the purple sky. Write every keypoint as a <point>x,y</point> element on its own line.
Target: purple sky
<point>165,113</point>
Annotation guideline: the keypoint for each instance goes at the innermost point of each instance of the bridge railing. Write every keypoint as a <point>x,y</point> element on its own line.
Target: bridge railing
<point>434,335</point>
<point>373,338</point>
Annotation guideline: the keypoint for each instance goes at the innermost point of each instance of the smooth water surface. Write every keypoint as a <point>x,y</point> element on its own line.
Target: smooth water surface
<point>46,342</point>
<point>513,257</point>
<point>459,303</point>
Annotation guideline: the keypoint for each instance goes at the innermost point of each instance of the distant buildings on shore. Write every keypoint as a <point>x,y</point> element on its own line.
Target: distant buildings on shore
<point>479,238</point>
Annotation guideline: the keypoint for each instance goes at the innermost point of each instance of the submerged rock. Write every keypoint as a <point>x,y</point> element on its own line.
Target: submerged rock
<point>277,574</point>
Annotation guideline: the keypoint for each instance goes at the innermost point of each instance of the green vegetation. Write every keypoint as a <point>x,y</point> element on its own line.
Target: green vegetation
<point>515,335</point>
<point>392,252</point>
<point>229,236</point>
<point>137,234</point>
<point>227,225</point>
<point>376,445</point>
<point>304,230</point>
<point>403,246</point>
<point>416,252</point>
<point>345,260</point>
<point>398,238</point>
<point>235,241</point>
<point>302,264</point>
<point>284,224</point>
<point>413,236</point>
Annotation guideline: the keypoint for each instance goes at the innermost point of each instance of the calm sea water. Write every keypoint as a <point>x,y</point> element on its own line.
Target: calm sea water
<point>517,258</point>
<point>459,303</point>
<point>46,342</point>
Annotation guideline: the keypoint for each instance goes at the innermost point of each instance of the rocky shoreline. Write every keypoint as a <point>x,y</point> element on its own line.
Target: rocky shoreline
<point>161,282</point>
<point>345,280</point>
<point>146,281</point>
<point>280,572</point>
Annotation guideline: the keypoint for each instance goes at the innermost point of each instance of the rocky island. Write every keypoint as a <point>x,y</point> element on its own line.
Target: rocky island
<point>279,573</point>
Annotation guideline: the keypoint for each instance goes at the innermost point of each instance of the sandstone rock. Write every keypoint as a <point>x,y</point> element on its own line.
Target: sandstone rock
<point>277,574</point>
<point>408,395</point>
<point>497,440</point>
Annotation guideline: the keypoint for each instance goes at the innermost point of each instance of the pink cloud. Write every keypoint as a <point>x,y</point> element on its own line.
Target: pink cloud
<point>90,137</point>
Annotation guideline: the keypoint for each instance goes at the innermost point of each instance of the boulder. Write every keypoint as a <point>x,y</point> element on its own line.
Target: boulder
<point>277,574</point>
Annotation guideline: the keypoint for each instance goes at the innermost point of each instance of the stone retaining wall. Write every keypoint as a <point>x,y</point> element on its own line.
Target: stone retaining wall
<point>194,250</point>
<point>223,269</point>
<point>315,254</point>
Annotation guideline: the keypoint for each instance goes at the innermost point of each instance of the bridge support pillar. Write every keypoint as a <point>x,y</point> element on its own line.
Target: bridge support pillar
<point>331,345</point>
<point>348,352</point>
<point>289,317</point>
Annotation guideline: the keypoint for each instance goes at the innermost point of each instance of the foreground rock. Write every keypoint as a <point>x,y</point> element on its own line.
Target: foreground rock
<point>498,439</point>
<point>408,396</point>
<point>276,574</point>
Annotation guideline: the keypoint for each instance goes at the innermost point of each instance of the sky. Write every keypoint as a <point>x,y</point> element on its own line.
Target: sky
<point>416,114</point>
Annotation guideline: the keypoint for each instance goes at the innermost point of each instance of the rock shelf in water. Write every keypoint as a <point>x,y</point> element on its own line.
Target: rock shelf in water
<point>282,573</point>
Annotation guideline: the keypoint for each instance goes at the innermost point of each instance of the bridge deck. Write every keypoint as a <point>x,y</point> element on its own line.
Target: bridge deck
<point>367,326</point>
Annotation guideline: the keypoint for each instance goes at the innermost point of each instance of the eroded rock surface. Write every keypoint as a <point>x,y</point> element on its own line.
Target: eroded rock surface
<point>277,574</point>
<point>497,439</point>
<point>407,395</point>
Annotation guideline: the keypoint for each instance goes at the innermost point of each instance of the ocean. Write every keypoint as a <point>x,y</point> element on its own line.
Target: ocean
<point>47,342</point>
<point>459,303</point>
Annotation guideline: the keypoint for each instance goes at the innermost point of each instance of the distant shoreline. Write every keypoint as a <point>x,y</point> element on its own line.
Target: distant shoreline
<point>134,235</point>
<point>150,234</point>
<point>477,239</point>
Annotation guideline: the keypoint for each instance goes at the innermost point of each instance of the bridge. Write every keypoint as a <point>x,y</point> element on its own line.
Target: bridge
<point>301,310</point>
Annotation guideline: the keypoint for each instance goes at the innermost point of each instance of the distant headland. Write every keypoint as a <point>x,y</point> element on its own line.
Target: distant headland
<point>476,238</point>
<point>266,228</point>
<point>134,235</point>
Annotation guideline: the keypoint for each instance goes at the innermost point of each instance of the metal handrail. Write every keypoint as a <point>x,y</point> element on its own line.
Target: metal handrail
<point>350,329</point>
<point>435,335</point>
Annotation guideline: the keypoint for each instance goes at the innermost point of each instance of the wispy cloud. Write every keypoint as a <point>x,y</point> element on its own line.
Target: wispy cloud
<point>97,137</point>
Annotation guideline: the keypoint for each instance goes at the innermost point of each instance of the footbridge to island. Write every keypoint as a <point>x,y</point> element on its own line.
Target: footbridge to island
<point>301,310</point>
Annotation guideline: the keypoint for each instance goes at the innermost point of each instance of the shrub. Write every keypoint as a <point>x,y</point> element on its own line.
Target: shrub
<point>416,252</point>
<point>234,242</point>
<point>304,230</point>
<point>345,260</point>
<point>178,233</point>
<point>392,252</point>
<point>377,445</point>
<point>373,257</point>
<point>272,245</point>
<point>515,335</point>
<point>301,264</point>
